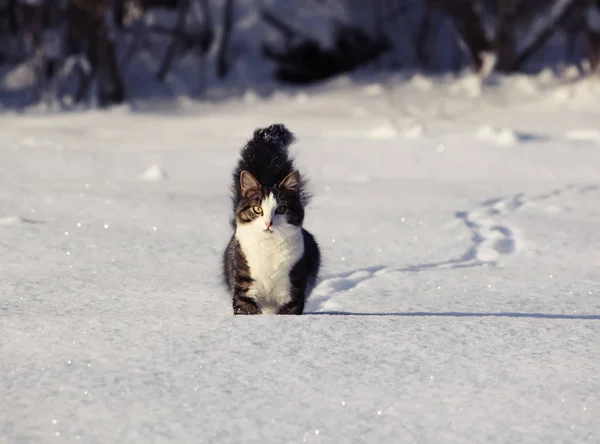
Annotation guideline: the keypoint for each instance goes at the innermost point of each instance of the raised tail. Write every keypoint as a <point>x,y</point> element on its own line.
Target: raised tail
<point>266,157</point>
<point>277,136</point>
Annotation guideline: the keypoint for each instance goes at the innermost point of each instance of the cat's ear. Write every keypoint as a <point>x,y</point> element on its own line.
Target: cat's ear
<point>248,183</point>
<point>291,182</point>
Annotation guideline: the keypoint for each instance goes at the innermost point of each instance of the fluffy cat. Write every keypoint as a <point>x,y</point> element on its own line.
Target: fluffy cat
<point>271,262</point>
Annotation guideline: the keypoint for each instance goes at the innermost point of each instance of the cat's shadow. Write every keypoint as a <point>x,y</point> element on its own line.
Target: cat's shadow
<point>458,314</point>
<point>480,223</point>
<point>350,279</point>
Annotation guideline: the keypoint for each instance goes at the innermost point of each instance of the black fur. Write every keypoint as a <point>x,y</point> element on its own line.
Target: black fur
<point>266,157</point>
<point>303,276</point>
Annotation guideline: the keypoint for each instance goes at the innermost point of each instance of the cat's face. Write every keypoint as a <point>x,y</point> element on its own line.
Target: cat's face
<point>270,210</point>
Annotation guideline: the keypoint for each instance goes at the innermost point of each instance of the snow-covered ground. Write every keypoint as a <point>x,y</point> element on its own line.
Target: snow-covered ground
<point>459,301</point>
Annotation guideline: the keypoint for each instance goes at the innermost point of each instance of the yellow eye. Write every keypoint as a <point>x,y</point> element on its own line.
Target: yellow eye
<point>257,209</point>
<point>280,210</point>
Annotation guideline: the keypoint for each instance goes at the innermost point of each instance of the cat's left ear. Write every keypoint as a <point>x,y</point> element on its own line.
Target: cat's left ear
<point>291,182</point>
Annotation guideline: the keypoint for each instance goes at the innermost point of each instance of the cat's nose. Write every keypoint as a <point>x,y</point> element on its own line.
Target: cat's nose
<point>268,224</point>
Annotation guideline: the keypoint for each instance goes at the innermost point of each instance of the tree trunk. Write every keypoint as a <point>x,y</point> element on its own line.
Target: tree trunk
<point>469,25</point>
<point>223,59</point>
<point>593,35</point>
<point>176,44</point>
<point>423,32</point>
<point>504,44</point>
<point>88,31</point>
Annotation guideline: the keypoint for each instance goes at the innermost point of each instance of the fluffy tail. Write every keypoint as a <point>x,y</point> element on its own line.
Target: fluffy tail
<point>266,154</point>
<point>276,136</point>
<point>266,157</point>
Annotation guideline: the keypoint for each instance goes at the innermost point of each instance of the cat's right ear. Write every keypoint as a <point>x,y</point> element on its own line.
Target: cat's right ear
<point>291,182</point>
<point>248,183</point>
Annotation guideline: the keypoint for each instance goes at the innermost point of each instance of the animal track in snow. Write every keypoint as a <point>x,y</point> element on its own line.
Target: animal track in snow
<point>493,237</point>
<point>339,282</point>
<point>351,279</point>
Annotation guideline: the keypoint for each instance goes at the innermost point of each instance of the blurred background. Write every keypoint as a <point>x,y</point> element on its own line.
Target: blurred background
<point>97,53</point>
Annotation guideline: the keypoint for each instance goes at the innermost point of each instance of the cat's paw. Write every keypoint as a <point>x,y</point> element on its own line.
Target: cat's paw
<point>293,308</point>
<point>244,306</point>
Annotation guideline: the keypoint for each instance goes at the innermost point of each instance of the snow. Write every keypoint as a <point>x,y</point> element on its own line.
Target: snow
<point>502,136</point>
<point>154,172</point>
<point>421,82</point>
<point>458,300</point>
<point>385,131</point>
<point>584,134</point>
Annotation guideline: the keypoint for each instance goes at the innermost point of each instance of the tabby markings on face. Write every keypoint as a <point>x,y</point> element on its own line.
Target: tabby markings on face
<point>267,208</point>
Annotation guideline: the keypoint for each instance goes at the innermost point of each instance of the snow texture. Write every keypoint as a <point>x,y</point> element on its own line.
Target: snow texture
<point>154,172</point>
<point>459,300</point>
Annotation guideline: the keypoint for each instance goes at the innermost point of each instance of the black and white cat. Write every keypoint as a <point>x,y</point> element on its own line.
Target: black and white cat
<point>271,262</point>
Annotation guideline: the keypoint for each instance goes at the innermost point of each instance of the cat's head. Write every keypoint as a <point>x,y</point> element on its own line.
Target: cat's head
<point>270,209</point>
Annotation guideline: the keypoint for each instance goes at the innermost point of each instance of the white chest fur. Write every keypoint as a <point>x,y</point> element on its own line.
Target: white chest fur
<point>270,257</point>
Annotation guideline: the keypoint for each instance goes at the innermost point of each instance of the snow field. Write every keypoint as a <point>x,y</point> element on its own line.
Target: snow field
<point>458,300</point>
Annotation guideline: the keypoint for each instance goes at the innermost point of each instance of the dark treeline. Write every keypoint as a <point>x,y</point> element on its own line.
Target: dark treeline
<point>91,42</point>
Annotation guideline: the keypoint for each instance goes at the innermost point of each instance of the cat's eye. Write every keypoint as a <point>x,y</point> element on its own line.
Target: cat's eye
<point>257,209</point>
<point>280,210</point>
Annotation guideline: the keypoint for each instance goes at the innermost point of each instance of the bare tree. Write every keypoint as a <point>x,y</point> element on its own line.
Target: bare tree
<point>469,26</point>
<point>504,39</point>
<point>542,29</point>
<point>593,34</point>
<point>88,34</point>
<point>222,59</point>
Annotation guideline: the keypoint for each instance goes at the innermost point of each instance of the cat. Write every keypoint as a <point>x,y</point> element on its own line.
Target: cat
<point>271,263</point>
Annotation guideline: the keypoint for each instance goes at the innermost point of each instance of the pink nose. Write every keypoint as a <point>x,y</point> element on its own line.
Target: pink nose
<point>268,224</point>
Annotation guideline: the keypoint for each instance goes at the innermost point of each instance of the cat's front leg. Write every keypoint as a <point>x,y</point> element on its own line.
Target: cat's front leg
<point>243,305</point>
<point>297,296</point>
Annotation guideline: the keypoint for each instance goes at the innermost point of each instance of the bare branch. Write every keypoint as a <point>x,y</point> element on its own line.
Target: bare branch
<point>543,30</point>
